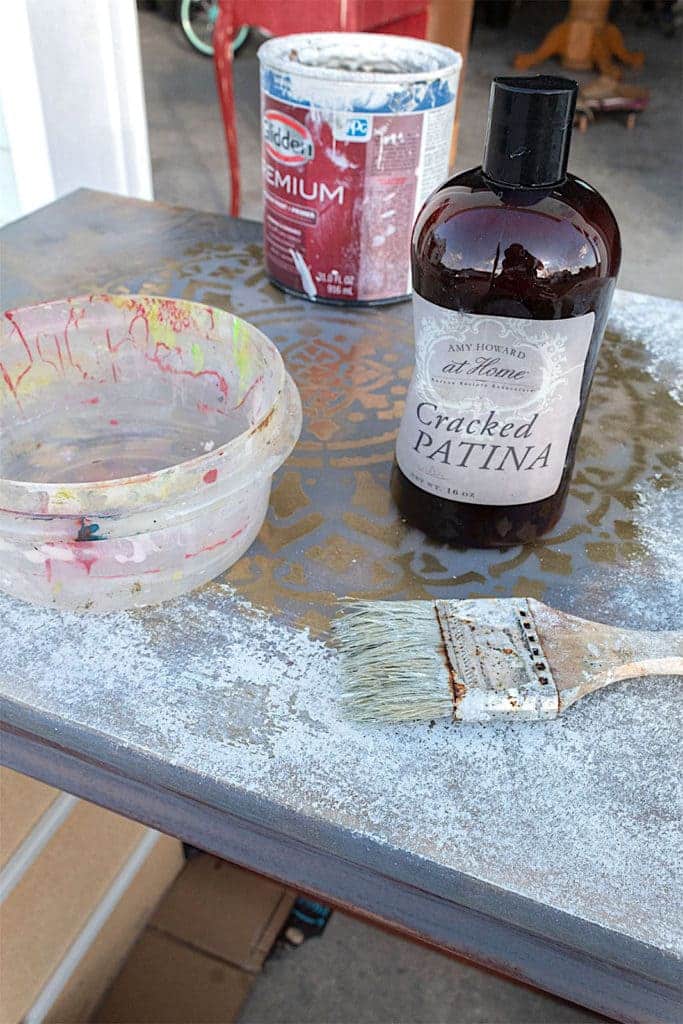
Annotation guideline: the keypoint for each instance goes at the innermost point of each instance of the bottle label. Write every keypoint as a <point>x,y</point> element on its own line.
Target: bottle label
<point>491,405</point>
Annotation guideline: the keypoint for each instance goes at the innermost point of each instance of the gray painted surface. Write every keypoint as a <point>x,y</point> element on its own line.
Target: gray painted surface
<point>516,845</point>
<point>549,812</point>
<point>219,723</point>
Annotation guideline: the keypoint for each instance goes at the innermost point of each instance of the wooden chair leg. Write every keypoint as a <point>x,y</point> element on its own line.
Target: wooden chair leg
<point>552,46</point>
<point>602,58</point>
<point>614,41</point>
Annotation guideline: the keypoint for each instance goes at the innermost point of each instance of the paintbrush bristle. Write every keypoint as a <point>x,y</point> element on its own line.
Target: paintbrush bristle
<point>391,665</point>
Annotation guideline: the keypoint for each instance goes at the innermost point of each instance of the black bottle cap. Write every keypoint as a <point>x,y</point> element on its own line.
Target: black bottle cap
<point>529,130</point>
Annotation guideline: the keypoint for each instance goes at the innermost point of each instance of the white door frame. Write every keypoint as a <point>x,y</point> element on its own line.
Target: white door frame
<point>72,98</point>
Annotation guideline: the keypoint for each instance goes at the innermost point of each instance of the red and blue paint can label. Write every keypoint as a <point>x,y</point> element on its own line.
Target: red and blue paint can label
<point>356,132</point>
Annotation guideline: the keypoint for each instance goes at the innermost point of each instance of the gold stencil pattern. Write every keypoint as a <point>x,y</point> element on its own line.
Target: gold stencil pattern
<point>332,529</point>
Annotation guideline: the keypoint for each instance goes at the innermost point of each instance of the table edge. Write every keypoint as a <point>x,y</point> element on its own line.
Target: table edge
<point>448,909</point>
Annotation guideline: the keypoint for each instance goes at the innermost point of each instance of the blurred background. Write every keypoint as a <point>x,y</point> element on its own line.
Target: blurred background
<point>115,97</point>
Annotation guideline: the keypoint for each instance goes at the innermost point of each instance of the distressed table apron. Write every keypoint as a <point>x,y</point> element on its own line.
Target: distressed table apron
<point>550,852</point>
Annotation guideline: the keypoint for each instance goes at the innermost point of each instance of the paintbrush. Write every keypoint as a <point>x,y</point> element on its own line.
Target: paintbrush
<point>484,660</point>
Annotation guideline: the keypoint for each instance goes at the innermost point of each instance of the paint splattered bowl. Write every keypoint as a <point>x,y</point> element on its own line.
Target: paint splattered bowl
<point>138,439</point>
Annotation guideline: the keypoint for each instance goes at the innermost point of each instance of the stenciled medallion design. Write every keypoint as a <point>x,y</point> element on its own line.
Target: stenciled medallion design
<point>332,530</point>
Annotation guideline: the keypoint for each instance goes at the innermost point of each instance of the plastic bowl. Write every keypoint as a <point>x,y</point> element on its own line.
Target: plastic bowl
<point>138,439</point>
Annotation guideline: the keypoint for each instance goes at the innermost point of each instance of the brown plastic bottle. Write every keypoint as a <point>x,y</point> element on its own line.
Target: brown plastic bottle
<point>514,266</point>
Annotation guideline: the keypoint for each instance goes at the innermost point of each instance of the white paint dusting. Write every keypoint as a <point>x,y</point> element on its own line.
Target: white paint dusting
<point>659,518</point>
<point>307,282</point>
<point>658,324</point>
<point>340,159</point>
<point>579,813</point>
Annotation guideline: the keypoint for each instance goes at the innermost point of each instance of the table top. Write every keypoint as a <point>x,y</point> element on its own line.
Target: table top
<point>564,835</point>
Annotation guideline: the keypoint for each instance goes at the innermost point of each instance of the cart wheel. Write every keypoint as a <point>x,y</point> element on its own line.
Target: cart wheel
<point>198,18</point>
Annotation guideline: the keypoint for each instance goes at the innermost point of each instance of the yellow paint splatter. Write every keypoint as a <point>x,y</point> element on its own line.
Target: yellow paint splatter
<point>157,311</point>
<point>165,486</point>
<point>241,352</point>
<point>161,330</point>
<point>38,378</point>
<point>197,357</point>
<point>64,494</point>
<point>177,575</point>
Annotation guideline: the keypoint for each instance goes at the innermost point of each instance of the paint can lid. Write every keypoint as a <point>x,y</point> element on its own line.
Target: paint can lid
<point>529,130</point>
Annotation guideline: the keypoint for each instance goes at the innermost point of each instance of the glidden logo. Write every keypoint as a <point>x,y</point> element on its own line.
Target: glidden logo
<point>285,139</point>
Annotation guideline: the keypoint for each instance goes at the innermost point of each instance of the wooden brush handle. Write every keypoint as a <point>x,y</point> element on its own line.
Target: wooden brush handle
<point>585,656</point>
<point>663,664</point>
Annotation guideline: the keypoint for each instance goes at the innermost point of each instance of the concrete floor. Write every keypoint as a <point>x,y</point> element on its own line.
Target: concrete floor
<point>637,171</point>
<point>355,973</point>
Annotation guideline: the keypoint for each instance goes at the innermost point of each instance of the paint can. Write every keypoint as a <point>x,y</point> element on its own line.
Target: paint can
<point>356,132</point>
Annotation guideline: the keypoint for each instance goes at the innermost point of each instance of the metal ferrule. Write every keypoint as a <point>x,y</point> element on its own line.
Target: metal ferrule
<point>497,672</point>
